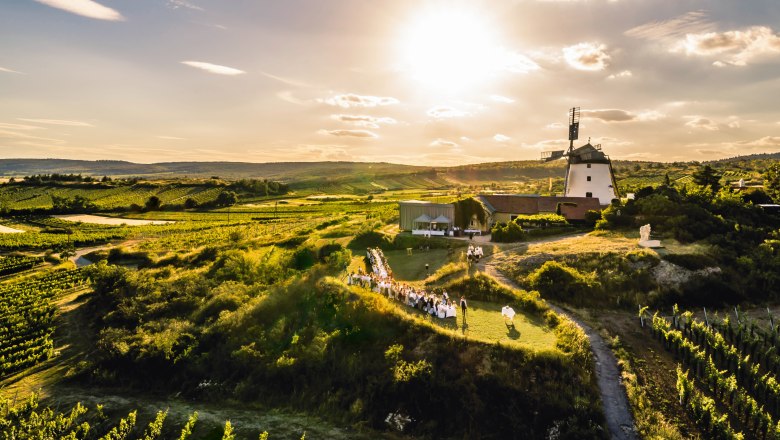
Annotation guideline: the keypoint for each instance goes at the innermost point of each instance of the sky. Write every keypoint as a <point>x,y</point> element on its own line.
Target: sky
<point>405,81</point>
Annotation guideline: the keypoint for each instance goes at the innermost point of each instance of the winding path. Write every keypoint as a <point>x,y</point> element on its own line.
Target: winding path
<point>617,411</point>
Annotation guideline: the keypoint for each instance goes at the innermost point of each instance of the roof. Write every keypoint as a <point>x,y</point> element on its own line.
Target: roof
<point>423,219</point>
<point>588,154</point>
<point>441,219</point>
<point>573,208</point>
<point>422,203</point>
<point>510,203</point>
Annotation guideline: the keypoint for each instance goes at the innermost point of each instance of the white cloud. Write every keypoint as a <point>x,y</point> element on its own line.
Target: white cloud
<point>57,122</point>
<point>19,126</point>
<point>364,120</point>
<point>701,123</point>
<point>738,47</point>
<point>444,143</point>
<point>555,126</point>
<point>3,69</point>
<point>177,4</point>
<point>516,63</point>
<point>170,138</point>
<point>86,8</point>
<point>502,99</point>
<point>351,133</point>
<point>444,112</point>
<point>587,56</point>
<point>349,100</point>
<point>214,68</point>
<point>622,74</point>
<point>678,27</point>
<point>501,138</point>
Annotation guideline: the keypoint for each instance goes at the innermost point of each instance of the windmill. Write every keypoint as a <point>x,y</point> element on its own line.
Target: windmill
<point>589,171</point>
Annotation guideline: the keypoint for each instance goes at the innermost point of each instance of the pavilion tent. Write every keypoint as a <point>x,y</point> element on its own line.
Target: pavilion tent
<point>441,219</point>
<point>423,219</point>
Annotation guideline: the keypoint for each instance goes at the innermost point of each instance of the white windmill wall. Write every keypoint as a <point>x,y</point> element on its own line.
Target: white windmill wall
<point>600,184</point>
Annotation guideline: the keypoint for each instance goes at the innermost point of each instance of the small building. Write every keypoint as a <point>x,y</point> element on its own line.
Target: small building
<point>506,207</point>
<point>425,218</point>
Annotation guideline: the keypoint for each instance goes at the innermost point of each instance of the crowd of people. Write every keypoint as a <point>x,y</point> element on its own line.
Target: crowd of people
<point>381,281</point>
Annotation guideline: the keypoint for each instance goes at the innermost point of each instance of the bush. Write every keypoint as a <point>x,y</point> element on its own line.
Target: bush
<point>369,239</point>
<point>326,250</point>
<point>559,281</point>
<point>507,232</point>
<point>304,258</point>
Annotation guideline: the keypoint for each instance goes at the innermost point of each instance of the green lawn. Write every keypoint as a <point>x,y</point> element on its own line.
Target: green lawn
<point>412,267</point>
<point>485,323</point>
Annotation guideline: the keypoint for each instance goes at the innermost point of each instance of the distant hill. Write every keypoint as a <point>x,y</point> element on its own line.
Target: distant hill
<point>365,177</point>
<point>291,171</point>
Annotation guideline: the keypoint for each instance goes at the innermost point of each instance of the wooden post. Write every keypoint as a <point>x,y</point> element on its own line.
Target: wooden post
<point>706,320</point>
<point>736,313</point>
<point>771,319</point>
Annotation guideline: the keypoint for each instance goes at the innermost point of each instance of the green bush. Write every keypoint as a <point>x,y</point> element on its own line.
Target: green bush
<point>369,239</point>
<point>559,281</point>
<point>304,258</point>
<point>507,232</point>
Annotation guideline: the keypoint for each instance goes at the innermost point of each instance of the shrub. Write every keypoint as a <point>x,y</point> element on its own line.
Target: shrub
<point>369,239</point>
<point>326,250</point>
<point>304,258</point>
<point>507,232</point>
<point>559,281</point>
<point>691,261</point>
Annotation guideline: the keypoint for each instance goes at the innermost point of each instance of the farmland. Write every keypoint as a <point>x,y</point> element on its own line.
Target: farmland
<point>217,305</point>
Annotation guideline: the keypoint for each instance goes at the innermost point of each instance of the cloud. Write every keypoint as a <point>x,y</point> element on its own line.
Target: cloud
<point>555,126</point>
<point>85,8</point>
<point>3,69</point>
<point>678,27</point>
<point>516,63</point>
<point>702,123</point>
<point>622,74</point>
<point>444,112</point>
<point>502,99</point>
<point>19,126</point>
<point>214,68</point>
<point>170,138</point>
<point>710,152</point>
<point>444,143</point>
<point>617,115</point>
<point>738,47</point>
<point>351,133</point>
<point>586,56</point>
<point>287,95</point>
<point>17,136</point>
<point>764,142</point>
<point>178,4</point>
<point>350,100</point>
<point>501,138</point>
<point>57,122</point>
<point>548,144</point>
<point>364,120</point>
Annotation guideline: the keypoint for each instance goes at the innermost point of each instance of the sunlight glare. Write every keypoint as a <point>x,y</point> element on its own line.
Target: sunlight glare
<point>451,49</point>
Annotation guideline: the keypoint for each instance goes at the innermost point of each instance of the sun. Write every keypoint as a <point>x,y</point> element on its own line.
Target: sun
<point>450,49</point>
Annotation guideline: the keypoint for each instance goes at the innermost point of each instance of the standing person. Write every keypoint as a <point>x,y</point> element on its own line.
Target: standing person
<point>463,306</point>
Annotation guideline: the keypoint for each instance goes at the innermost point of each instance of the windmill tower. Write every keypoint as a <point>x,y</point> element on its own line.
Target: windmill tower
<point>589,171</point>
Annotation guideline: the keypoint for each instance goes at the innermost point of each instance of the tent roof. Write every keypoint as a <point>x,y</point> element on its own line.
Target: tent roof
<point>423,219</point>
<point>441,219</point>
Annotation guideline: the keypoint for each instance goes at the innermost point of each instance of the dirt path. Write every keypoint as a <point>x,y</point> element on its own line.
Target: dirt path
<point>620,421</point>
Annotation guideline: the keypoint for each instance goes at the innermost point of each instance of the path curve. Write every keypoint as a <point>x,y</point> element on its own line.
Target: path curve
<point>614,401</point>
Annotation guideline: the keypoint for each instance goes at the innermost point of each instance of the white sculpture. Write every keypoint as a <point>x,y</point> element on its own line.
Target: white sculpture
<point>644,238</point>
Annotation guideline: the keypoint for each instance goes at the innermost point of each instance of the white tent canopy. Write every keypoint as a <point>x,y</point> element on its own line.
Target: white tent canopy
<point>422,219</point>
<point>441,219</point>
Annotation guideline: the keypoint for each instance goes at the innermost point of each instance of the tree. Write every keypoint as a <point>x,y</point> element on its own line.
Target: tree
<point>708,177</point>
<point>667,181</point>
<point>190,203</point>
<point>153,203</point>
<point>772,181</point>
<point>227,198</point>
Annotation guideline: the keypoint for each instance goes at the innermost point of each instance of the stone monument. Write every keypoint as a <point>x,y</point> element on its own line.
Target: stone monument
<point>644,238</point>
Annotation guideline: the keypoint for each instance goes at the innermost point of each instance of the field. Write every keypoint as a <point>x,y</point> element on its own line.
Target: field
<point>241,312</point>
